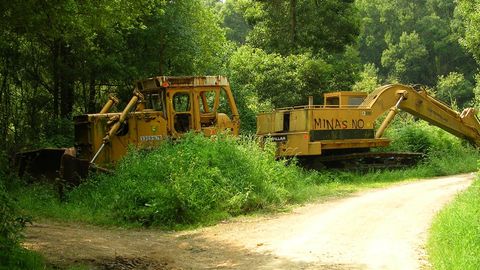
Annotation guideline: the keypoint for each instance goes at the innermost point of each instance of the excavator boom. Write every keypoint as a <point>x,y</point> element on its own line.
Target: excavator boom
<point>418,103</point>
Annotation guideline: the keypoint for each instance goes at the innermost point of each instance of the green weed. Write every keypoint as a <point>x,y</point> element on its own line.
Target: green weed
<point>199,180</point>
<point>454,241</point>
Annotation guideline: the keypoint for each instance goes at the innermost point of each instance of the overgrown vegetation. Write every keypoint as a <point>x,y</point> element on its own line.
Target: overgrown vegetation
<point>195,180</point>
<point>201,180</point>
<point>12,255</point>
<point>454,241</point>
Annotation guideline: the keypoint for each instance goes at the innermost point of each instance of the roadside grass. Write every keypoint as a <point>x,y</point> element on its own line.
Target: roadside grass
<point>454,240</point>
<point>12,255</point>
<point>19,259</point>
<point>200,181</point>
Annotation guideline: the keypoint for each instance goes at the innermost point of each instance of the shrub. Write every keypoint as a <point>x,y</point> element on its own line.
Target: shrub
<point>419,136</point>
<point>196,180</point>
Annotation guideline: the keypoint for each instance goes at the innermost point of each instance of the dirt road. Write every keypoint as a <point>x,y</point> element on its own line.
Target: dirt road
<point>377,229</point>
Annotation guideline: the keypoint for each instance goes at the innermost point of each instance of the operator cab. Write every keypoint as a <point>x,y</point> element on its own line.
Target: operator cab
<point>345,99</point>
<point>191,103</point>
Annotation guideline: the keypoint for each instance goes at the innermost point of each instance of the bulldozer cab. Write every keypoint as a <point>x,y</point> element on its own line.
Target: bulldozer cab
<point>203,104</point>
<point>161,108</point>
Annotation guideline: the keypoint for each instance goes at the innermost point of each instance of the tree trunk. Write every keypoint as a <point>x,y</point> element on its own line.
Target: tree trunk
<point>56,77</point>
<point>293,22</point>
<point>91,95</point>
<point>67,81</point>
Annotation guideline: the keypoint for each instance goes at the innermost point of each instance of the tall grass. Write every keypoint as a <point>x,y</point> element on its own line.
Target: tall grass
<point>454,241</point>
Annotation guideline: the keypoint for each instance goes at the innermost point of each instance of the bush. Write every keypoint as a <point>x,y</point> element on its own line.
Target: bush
<point>12,256</point>
<point>196,180</point>
<point>419,136</point>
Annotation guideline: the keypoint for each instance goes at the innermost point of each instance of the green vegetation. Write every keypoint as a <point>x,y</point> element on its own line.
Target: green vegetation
<point>200,181</point>
<point>454,241</point>
<point>195,180</point>
<point>63,58</point>
<point>12,256</point>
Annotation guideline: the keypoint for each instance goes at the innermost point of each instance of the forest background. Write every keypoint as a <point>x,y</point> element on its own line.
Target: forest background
<point>62,58</point>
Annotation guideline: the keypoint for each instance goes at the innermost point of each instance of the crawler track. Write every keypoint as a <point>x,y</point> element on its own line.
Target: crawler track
<point>364,161</point>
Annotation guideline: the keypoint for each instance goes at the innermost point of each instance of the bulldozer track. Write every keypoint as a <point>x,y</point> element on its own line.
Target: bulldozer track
<point>365,161</point>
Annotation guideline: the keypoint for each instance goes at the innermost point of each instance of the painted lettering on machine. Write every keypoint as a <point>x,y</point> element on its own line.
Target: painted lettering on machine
<point>150,138</point>
<point>335,123</point>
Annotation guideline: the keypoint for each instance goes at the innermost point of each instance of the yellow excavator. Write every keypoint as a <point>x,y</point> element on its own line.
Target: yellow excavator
<point>160,108</point>
<point>341,132</point>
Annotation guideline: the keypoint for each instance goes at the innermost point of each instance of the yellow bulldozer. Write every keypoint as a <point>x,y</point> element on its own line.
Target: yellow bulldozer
<point>161,108</point>
<point>341,132</point>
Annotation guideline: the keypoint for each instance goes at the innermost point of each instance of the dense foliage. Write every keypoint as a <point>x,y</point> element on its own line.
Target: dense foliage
<point>415,42</point>
<point>62,58</point>
<point>12,256</point>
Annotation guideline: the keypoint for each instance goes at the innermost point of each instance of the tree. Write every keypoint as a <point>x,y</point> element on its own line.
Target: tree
<point>469,14</point>
<point>58,58</point>
<point>383,25</point>
<point>288,80</point>
<point>453,89</point>
<point>404,59</point>
<point>368,79</point>
<point>234,20</point>
<point>296,48</point>
<point>296,26</point>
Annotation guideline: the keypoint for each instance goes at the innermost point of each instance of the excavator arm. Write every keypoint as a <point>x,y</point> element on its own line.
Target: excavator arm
<point>418,103</point>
